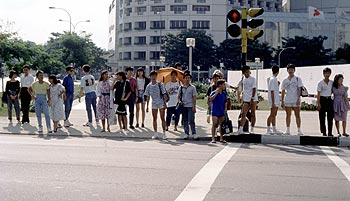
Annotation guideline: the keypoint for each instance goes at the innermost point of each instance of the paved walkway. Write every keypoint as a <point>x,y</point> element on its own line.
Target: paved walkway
<point>310,125</point>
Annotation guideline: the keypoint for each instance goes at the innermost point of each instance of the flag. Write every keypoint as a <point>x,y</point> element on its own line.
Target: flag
<point>314,13</point>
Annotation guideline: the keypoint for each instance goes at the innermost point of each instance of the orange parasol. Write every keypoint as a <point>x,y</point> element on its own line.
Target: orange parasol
<point>164,75</point>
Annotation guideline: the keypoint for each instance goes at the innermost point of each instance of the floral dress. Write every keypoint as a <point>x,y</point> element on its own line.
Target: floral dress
<point>104,102</point>
<point>56,108</point>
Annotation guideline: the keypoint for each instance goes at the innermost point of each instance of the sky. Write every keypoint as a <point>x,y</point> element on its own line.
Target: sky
<point>34,21</point>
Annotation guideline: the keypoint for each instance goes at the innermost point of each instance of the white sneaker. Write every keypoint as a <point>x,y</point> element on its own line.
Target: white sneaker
<point>164,136</point>
<point>251,130</point>
<point>66,123</point>
<point>269,132</point>
<point>277,132</point>
<point>70,124</point>
<point>185,137</point>
<point>240,131</point>
<point>155,136</point>
<point>286,133</point>
<point>87,124</point>
<point>300,133</point>
<point>195,136</point>
<point>40,129</point>
<point>49,130</point>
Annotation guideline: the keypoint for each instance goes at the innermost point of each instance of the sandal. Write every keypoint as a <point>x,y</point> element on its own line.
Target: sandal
<point>345,135</point>
<point>103,130</point>
<point>213,141</point>
<point>108,129</point>
<point>223,141</point>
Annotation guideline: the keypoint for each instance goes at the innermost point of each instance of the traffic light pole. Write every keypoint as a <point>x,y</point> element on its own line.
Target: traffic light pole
<point>244,36</point>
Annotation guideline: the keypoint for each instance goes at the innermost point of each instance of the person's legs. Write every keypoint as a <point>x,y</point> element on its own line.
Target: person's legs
<point>94,103</point>
<point>162,117</point>
<point>176,117</point>
<point>252,110</point>
<point>191,120</point>
<point>9,107</point>
<point>125,120</point>
<point>322,116</point>
<point>137,113</point>
<point>17,109</point>
<point>330,117</point>
<point>120,121</point>
<point>46,112</point>
<point>25,104</point>
<point>288,116</point>
<point>221,121</point>
<point>88,102</point>
<point>243,116</point>
<point>344,127</point>
<point>185,119</point>
<point>154,115</point>
<point>169,113</point>
<point>297,116</point>
<point>68,105</point>
<point>38,111</point>
<point>103,124</point>
<point>143,113</point>
<point>131,104</point>
<point>214,120</point>
<point>337,126</point>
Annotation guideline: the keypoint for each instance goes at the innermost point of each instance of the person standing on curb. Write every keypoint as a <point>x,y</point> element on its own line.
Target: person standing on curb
<point>325,102</point>
<point>341,103</point>
<point>11,92</point>
<point>173,88</point>
<point>68,83</point>
<point>87,85</point>
<point>57,94</point>
<point>250,99</point>
<point>26,82</point>
<point>103,91</point>
<point>157,91</point>
<point>40,91</point>
<point>218,99</point>
<point>142,82</point>
<point>133,96</point>
<point>211,88</point>
<point>188,101</point>
<point>122,93</point>
<point>291,92</point>
<point>274,101</point>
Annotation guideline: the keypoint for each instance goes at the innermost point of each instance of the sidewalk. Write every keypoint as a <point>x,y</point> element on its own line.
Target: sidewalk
<point>310,127</point>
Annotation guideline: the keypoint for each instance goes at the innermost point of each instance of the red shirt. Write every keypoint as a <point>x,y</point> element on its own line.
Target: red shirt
<point>133,84</point>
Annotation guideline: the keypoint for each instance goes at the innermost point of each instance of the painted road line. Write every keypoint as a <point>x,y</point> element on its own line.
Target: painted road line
<point>340,163</point>
<point>200,185</point>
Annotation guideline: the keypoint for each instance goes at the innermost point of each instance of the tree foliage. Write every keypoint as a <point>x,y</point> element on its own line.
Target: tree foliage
<point>343,53</point>
<point>203,53</point>
<point>308,51</point>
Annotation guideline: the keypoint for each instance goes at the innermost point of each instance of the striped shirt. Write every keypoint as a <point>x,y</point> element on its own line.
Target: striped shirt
<point>153,90</point>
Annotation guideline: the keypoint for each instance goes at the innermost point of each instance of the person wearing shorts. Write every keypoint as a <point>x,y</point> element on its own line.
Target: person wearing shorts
<point>291,92</point>
<point>274,100</point>
<point>218,101</point>
<point>142,82</point>
<point>157,91</point>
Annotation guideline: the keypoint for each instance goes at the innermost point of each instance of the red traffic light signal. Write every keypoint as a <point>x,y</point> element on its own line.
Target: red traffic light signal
<point>234,30</point>
<point>234,16</point>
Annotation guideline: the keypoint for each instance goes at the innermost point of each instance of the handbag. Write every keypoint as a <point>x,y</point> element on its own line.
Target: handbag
<point>4,98</point>
<point>178,105</point>
<point>304,92</point>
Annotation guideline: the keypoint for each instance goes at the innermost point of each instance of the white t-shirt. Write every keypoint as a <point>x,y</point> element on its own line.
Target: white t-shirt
<point>273,86</point>
<point>140,83</point>
<point>88,83</point>
<point>326,90</point>
<point>248,85</point>
<point>174,86</point>
<point>27,81</point>
<point>292,89</point>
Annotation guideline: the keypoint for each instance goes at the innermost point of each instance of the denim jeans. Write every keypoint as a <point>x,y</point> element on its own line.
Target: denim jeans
<point>169,113</point>
<point>68,105</point>
<point>15,102</point>
<point>41,106</point>
<point>188,118</point>
<point>90,100</point>
<point>131,104</point>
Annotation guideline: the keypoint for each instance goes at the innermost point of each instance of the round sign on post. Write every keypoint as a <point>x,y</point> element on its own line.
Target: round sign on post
<point>234,16</point>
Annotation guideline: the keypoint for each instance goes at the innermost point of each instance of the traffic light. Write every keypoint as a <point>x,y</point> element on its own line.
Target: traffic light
<point>254,23</point>
<point>234,16</point>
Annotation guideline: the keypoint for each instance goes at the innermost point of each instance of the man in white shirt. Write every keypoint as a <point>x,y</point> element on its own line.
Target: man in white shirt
<point>274,100</point>
<point>250,99</point>
<point>291,92</point>
<point>325,102</point>
<point>173,88</point>
<point>26,81</point>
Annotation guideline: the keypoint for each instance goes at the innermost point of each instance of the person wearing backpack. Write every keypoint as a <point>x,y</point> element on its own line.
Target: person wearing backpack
<point>172,88</point>
<point>157,91</point>
<point>291,92</point>
<point>188,102</point>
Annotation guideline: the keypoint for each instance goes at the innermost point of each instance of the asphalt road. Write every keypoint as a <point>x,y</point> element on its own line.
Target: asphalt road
<point>50,168</point>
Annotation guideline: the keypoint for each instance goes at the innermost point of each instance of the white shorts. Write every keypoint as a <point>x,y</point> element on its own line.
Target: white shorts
<point>158,105</point>
<point>291,105</point>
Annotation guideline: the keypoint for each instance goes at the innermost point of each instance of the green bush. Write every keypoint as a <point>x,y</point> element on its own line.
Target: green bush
<point>308,107</point>
<point>201,96</point>
<point>201,88</point>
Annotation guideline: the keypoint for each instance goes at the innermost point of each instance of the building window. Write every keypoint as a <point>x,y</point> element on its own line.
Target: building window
<point>140,25</point>
<point>154,55</point>
<point>128,2</point>
<point>127,41</point>
<point>141,10</point>
<point>128,11</point>
<point>140,40</point>
<point>127,26</point>
<point>127,56</point>
<point>178,1</point>
<point>156,9</point>
<point>154,40</point>
<point>201,1</point>
<point>120,56</point>
<point>140,56</point>
<point>200,24</point>
<point>157,24</point>
<point>178,24</point>
<point>120,42</point>
<point>140,2</point>
<point>178,9</point>
<point>201,9</point>
<point>157,1</point>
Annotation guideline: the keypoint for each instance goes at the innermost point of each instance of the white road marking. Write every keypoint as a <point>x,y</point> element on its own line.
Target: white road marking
<point>200,185</point>
<point>340,163</point>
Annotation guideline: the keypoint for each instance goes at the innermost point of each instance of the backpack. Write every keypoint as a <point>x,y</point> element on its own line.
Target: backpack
<point>227,125</point>
<point>304,92</point>
<point>161,94</point>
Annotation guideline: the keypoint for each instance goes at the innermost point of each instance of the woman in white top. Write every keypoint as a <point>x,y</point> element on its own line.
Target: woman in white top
<point>291,92</point>
<point>142,82</point>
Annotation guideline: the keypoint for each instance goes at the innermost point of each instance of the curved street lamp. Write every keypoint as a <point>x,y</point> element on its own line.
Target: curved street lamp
<point>70,18</point>
<point>74,25</point>
<point>279,54</point>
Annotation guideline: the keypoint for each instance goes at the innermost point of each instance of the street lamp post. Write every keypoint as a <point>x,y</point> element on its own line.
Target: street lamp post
<point>198,68</point>
<point>74,25</point>
<point>190,43</point>
<point>70,18</point>
<point>162,60</point>
<point>279,54</point>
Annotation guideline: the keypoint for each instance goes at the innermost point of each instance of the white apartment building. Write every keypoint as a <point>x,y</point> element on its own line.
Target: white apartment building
<point>137,26</point>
